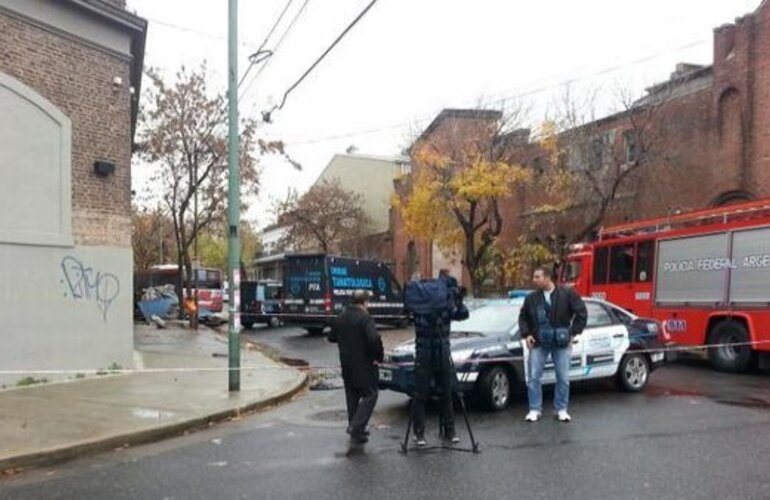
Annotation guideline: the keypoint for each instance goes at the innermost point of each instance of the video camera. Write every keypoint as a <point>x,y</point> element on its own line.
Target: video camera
<point>437,299</point>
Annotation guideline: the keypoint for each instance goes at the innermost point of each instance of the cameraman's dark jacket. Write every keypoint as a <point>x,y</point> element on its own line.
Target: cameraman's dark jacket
<point>567,311</point>
<point>432,331</point>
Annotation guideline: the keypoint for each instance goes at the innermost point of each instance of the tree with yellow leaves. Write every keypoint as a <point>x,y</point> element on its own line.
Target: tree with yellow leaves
<point>454,196</point>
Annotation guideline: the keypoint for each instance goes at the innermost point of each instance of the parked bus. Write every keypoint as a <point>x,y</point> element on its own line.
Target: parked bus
<point>209,280</point>
<point>705,275</point>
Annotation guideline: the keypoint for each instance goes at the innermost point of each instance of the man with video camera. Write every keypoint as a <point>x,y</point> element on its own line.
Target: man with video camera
<point>434,304</point>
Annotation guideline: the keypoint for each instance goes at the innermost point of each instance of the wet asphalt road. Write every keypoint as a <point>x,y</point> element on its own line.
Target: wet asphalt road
<point>693,434</point>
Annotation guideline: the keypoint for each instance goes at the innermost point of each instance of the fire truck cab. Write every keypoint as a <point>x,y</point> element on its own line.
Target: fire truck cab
<point>705,275</point>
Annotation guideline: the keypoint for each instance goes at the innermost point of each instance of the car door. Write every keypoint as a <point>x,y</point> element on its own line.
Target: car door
<point>603,342</point>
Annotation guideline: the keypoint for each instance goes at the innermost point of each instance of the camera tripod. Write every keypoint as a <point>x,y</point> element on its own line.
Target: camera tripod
<point>456,394</point>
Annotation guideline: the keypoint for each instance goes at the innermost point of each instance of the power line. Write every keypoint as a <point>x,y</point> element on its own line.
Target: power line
<point>275,48</point>
<point>534,91</point>
<point>253,60</point>
<point>264,42</point>
<point>321,58</point>
<point>197,32</point>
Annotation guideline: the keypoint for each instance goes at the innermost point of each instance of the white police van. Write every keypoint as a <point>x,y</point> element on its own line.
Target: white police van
<point>490,357</point>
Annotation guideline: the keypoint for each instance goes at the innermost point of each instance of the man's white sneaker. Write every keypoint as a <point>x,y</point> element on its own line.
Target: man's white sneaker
<point>532,416</point>
<point>563,416</point>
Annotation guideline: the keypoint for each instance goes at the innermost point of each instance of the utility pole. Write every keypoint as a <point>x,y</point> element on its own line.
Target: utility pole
<point>196,260</point>
<point>233,198</point>
<point>160,234</point>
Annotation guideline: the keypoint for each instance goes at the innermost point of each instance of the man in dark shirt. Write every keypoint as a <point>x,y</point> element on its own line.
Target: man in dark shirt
<point>547,312</point>
<point>360,350</point>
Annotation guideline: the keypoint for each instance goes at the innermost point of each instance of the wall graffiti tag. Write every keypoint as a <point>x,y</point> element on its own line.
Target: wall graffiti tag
<point>85,283</point>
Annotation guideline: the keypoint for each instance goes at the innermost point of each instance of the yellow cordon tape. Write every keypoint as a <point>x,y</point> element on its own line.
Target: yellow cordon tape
<point>107,371</point>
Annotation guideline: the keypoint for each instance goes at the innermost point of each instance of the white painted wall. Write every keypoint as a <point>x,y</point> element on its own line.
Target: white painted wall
<point>61,307</point>
<point>64,308</point>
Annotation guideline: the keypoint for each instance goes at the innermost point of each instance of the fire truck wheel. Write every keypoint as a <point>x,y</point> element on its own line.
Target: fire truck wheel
<point>726,356</point>
<point>633,372</point>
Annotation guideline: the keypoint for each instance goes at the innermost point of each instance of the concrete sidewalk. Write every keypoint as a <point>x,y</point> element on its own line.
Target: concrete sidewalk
<point>59,421</point>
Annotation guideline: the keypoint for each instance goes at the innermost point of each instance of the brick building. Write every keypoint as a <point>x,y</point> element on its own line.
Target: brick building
<point>711,126</point>
<point>70,73</point>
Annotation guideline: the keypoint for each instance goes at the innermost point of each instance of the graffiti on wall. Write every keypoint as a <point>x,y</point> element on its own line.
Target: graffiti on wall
<point>84,283</point>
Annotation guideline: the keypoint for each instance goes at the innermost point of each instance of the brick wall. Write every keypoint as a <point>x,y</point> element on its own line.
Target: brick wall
<point>761,98</point>
<point>711,143</point>
<point>78,80</point>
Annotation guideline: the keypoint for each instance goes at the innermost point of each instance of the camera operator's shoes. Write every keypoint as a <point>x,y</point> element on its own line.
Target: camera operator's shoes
<point>563,416</point>
<point>452,438</point>
<point>533,416</point>
<point>420,441</point>
<point>358,439</point>
<point>364,432</point>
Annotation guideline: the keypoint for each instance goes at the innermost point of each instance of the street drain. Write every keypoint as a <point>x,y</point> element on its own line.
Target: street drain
<point>300,364</point>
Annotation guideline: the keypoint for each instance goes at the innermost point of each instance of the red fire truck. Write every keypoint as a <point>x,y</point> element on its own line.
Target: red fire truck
<point>705,275</point>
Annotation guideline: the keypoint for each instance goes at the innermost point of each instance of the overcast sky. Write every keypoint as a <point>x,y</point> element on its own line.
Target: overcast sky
<point>408,59</point>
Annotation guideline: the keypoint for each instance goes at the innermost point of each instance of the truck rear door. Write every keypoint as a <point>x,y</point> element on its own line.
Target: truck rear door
<point>305,285</point>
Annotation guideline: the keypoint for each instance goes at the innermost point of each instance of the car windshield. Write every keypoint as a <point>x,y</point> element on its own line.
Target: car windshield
<point>490,320</point>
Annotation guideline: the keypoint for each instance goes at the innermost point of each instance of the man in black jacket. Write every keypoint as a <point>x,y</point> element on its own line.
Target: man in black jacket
<point>360,350</point>
<point>550,319</point>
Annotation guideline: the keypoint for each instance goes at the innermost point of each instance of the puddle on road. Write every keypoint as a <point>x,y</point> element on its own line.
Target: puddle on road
<point>150,414</point>
<point>339,415</point>
<point>754,403</point>
<point>743,402</point>
<point>657,391</point>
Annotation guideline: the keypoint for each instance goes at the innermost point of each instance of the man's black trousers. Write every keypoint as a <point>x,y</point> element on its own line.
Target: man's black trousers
<point>433,365</point>
<point>361,403</point>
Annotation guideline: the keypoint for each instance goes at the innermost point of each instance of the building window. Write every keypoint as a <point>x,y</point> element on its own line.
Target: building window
<point>538,165</point>
<point>596,154</point>
<point>406,168</point>
<point>411,259</point>
<point>632,146</point>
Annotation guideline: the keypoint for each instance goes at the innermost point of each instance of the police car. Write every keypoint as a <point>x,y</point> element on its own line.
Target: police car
<point>490,357</point>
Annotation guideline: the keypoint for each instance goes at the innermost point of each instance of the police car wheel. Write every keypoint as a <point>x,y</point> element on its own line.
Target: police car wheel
<point>248,325</point>
<point>274,322</point>
<point>494,388</point>
<point>729,357</point>
<point>633,372</point>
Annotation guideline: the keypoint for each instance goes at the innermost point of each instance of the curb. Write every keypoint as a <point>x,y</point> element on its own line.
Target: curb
<point>99,445</point>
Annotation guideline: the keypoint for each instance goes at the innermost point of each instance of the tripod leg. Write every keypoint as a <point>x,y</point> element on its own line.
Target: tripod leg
<point>474,444</point>
<point>441,421</point>
<point>405,444</point>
